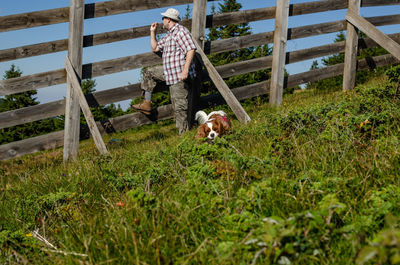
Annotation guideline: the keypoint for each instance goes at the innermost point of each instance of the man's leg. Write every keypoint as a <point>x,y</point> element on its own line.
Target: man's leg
<point>179,97</point>
<point>151,76</point>
<point>193,100</point>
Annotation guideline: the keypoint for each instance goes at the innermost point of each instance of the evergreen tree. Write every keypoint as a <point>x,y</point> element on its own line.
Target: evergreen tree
<point>19,100</point>
<point>99,113</point>
<point>231,31</point>
<point>187,14</point>
<point>336,83</point>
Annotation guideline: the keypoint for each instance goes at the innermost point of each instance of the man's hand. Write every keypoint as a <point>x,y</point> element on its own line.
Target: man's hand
<point>188,60</point>
<point>184,75</point>
<point>153,41</point>
<point>153,27</point>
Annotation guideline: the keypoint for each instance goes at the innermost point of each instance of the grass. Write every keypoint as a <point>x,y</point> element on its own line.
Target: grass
<point>315,181</point>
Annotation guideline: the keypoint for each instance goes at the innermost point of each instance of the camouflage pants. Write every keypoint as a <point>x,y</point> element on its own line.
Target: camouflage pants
<point>181,93</point>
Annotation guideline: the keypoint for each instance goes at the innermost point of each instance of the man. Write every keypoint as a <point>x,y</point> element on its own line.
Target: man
<point>178,50</point>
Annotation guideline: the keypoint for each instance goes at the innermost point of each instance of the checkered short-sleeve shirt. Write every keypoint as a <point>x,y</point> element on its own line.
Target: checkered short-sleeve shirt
<point>174,46</point>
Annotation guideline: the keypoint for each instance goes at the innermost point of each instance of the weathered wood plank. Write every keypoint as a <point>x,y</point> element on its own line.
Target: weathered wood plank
<point>31,82</point>
<point>374,33</point>
<point>199,16</point>
<point>75,49</point>
<point>31,114</point>
<point>279,52</point>
<point>56,108</point>
<point>233,103</point>
<point>34,19</point>
<point>76,85</point>
<point>100,9</point>
<point>199,21</point>
<point>350,59</point>
<point>60,15</point>
<point>120,64</point>
<point>32,145</point>
<point>336,70</point>
<point>56,77</point>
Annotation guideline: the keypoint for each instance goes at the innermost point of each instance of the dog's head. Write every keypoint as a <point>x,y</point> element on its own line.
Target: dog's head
<point>214,127</point>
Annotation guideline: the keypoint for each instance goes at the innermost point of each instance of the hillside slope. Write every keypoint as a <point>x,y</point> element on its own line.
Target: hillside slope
<point>315,181</point>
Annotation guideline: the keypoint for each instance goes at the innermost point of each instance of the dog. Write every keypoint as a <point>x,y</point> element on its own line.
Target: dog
<point>213,125</point>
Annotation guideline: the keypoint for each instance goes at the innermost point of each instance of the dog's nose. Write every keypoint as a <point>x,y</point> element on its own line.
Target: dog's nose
<point>212,135</point>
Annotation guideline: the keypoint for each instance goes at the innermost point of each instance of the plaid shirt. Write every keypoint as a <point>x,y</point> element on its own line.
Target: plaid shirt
<point>174,47</point>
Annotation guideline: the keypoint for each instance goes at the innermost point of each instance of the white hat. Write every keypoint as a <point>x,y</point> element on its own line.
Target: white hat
<point>172,13</point>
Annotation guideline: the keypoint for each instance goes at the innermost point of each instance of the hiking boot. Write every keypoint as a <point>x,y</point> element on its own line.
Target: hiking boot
<point>144,107</point>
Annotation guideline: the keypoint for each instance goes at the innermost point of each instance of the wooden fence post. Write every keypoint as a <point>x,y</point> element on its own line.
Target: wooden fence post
<point>199,16</point>
<point>198,33</point>
<point>350,59</point>
<point>279,52</point>
<point>199,21</point>
<point>72,110</point>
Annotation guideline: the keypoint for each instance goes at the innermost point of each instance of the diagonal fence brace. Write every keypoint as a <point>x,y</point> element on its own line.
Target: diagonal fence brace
<point>223,88</point>
<point>85,107</point>
<point>378,36</point>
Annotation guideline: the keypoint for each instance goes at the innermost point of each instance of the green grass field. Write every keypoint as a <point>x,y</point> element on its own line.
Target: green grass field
<point>315,181</point>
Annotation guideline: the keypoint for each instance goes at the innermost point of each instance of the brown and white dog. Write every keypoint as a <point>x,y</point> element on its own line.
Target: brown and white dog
<point>212,125</point>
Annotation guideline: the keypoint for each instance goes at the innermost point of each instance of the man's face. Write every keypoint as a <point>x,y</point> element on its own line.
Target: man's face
<point>165,21</point>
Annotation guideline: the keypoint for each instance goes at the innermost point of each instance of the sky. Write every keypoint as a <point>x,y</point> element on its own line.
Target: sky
<point>55,61</point>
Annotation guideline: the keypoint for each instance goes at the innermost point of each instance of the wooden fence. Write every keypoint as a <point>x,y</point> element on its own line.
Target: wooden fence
<point>96,69</point>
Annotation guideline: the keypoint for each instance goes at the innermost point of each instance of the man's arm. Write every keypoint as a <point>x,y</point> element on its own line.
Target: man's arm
<point>153,40</point>
<point>188,62</point>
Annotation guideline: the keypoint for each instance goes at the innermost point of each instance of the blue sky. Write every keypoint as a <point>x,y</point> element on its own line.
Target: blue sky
<point>125,48</point>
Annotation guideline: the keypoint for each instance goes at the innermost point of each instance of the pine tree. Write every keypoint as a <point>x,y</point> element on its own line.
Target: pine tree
<point>231,31</point>
<point>336,83</point>
<point>187,14</point>
<point>19,100</point>
<point>99,113</point>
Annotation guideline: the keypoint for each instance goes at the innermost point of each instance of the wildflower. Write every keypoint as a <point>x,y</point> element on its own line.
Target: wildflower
<point>364,123</point>
<point>120,204</point>
<point>29,235</point>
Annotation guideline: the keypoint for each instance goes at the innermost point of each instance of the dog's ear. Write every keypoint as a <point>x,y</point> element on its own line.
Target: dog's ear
<point>217,126</point>
<point>226,125</point>
<point>201,131</point>
<point>222,125</point>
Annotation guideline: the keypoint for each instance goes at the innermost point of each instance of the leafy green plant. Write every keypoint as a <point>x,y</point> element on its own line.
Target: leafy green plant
<point>384,247</point>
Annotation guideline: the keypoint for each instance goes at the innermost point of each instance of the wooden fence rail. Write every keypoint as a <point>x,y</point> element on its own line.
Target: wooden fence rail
<point>95,10</point>
<point>101,9</point>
